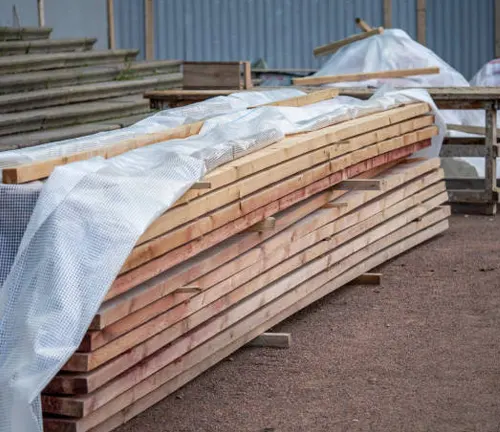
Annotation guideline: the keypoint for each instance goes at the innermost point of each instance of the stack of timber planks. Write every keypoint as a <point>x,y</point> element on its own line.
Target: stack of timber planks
<point>52,90</point>
<point>257,240</point>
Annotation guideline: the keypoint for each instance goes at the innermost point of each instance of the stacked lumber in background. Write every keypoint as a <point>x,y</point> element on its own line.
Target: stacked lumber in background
<point>257,240</point>
<point>52,90</point>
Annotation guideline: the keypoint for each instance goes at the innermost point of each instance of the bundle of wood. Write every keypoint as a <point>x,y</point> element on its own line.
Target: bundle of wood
<point>258,239</point>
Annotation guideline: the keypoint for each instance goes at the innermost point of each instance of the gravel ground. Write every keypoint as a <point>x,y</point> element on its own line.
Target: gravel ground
<point>420,352</point>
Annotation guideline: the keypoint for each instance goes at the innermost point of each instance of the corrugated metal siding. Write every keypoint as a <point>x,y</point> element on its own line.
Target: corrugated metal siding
<point>284,32</point>
<point>462,32</point>
<point>404,16</point>
<point>129,25</point>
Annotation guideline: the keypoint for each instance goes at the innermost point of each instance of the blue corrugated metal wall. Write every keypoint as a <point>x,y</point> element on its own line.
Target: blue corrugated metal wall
<point>284,32</point>
<point>462,32</point>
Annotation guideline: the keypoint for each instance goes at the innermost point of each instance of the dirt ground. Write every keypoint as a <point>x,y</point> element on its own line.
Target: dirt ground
<point>421,352</point>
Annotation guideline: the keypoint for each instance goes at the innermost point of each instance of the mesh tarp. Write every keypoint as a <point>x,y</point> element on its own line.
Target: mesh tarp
<point>74,238</point>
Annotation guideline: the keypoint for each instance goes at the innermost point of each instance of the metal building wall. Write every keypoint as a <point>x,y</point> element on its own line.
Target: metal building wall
<point>462,32</point>
<point>284,32</point>
<point>68,18</point>
<point>404,16</point>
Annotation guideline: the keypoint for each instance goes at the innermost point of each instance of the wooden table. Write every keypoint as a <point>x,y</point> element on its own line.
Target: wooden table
<point>465,191</point>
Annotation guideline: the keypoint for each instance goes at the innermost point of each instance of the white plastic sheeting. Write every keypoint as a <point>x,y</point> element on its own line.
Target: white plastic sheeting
<point>394,49</point>
<point>159,122</point>
<point>488,75</point>
<point>87,219</point>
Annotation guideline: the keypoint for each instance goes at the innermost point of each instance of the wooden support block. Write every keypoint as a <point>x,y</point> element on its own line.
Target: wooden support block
<point>360,184</point>
<point>334,46</point>
<point>367,279</point>
<point>336,205</point>
<point>363,25</point>
<point>202,185</point>
<point>396,73</point>
<point>264,225</point>
<point>188,290</point>
<point>271,340</point>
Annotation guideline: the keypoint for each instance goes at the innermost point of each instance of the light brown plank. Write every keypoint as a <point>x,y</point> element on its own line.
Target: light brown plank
<point>335,46</point>
<point>396,73</point>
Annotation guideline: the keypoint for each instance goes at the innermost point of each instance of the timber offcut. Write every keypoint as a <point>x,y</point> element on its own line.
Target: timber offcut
<point>263,237</point>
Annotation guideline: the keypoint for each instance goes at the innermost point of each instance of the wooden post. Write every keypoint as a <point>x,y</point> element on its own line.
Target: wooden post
<point>387,13</point>
<point>497,28</point>
<point>111,24</point>
<point>149,29</point>
<point>490,174</point>
<point>41,13</point>
<point>421,25</point>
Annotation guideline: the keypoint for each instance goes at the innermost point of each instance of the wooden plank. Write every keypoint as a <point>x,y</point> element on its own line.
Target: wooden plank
<point>41,169</point>
<point>339,253</point>
<point>387,13</point>
<point>190,366</point>
<point>490,168</point>
<point>295,146</point>
<point>478,130</point>
<point>334,46</point>
<point>395,73</point>
<point>466,150</point>
<point>421,21</point>
<point>149,35</point>
<point>137,300</point>
<point>154,267</point>
<point>363,25</point>
<point>271,250</point>
<point>308,99</point>
<point>367,279</point>
<point>251,205</point>
<point>470,196</point>
<point>215,201</point>
<point>361,184</point>
<point>271,340</point>
<point>140,315</point>
<point>272,267</point>
<point>284,287</point>
<point>247,75</point>
<point>224,75</point>
<point>110,13</point>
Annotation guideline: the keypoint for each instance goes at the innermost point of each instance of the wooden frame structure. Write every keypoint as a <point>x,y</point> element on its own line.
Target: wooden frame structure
<point>475,194</point>
<point>464,191</point>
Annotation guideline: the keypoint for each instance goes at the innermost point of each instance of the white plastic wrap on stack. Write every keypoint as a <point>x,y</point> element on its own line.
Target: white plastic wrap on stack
<point>488,75</point>
<point>87,219</point>
<point>394,49</point>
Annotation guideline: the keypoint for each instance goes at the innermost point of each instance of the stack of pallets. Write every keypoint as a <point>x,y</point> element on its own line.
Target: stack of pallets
<point>255,241</point>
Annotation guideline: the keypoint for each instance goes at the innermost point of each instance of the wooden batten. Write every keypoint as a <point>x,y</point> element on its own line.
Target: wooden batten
<point>332,47</point>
